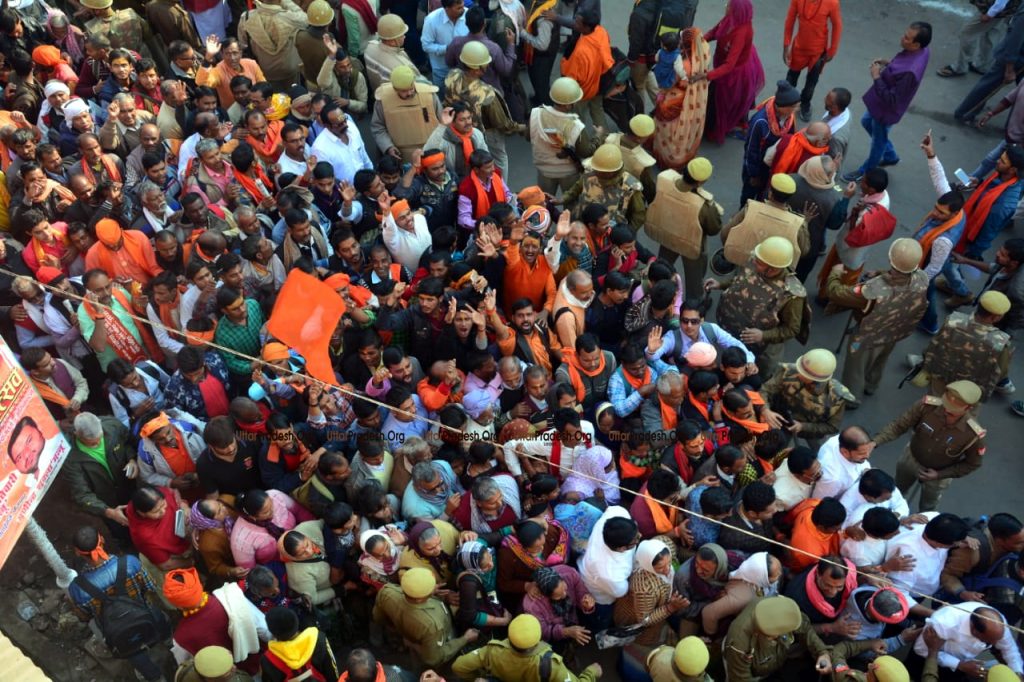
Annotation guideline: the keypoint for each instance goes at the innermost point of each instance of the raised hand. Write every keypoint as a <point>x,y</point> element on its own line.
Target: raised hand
<point>331,44</point>
<point>654,339</point>
<point>447,116</point>
<point>564,226</point>
<point>212,47</point>
<point>113,109</point>
<point>348,192</point>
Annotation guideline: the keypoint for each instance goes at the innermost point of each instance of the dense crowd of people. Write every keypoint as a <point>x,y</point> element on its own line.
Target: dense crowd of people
<point>534,438</point>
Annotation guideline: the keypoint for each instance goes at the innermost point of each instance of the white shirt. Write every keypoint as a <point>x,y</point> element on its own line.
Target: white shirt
<point>406,246</point>
<point>290,165</point>
<point>346,158</point>
<point>856,505</point>
<point>838,474</point>
<point>606,572</point>
<point>188,302</point>
<point>789,490</point>
<point>953,624</point>
<point>540,446</point>
<point>924,577</point>
<point>867,552</point>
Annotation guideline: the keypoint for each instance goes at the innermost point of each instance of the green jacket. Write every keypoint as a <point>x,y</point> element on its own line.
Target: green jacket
<point>426,628</point>
<point>92,487</point>
<point>749,655</point>
<point>499,660</point>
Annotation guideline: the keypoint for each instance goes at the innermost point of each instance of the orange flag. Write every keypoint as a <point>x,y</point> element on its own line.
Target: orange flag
<point>305,316</point>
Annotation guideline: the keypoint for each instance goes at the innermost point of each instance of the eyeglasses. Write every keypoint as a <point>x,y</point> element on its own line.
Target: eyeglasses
<point>689,320</point>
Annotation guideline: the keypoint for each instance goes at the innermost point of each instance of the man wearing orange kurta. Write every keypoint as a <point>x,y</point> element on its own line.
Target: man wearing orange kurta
<point>588,60</point>
<point>817,530</point>
<point>219,77</point>
<point>528,274</point>
<point>813,45</point>
<point>122,254</point>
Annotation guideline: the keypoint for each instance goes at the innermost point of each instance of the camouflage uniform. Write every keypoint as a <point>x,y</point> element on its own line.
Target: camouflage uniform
<point>888,308</point>
<point>953,450</point>
<point>775,306</point>
<point>622,195</point>
<point>490,112</point>
<point>126,29</point>
<point>818,406</point>
<point>967,349</point>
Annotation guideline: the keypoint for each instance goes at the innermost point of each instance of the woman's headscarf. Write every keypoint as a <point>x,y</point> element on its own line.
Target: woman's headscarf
<point>386,566</point>
<point>738,13</point>
<point>604,570</point>
<point>440,561</point>
<point>440,495</point>
<point>469,557</point>
<point>706,589</point>
<point>547,579</point>
<point>589,474</point>
<point>646,553</point>
<point>201,522</point>
<point>71,42</point>
<point>755,571</point>
<point>813,171</point>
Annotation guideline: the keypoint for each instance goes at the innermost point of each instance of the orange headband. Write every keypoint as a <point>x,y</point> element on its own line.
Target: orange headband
<point>274,351</point>
<point>338,281</point>
<point>466,279</point>
<point>97,554</point>
<point>199,338</point>
<point>399,207</point>
<point>428,161</point>
<point>153,425</point>
<point>183,588</point>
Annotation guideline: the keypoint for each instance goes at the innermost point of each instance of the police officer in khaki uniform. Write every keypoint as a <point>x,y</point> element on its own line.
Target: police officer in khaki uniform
<point>804,398</point>
<point>385,54</point>
<point>969,347</point>
<point>886,308</point>
<point>125,28</point>
<point>882,669</point>
<point>687,661</point>
<point>758,220</point>
<point>422,620</point>
<point>559,140</point>
<point>946,443</point>
<point>635,159</point>
<point>609,185</point>
<point>764,304</point>
<point>490,111</point>
<point>682,216</point>
<point>771,634</point>
<point>405,114</point>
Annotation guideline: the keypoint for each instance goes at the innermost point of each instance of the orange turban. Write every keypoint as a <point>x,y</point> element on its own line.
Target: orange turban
<point>108,231</point>
<point>46,56</point>
<point>153,425</point>
<point>399,207</point>
<point>274,351</point>
<point>183,589</point>
<point>531,196</point>
<point>340,280</point>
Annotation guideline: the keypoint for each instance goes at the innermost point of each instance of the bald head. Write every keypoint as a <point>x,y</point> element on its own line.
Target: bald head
<point>818,133</point>
<point>987,625</point>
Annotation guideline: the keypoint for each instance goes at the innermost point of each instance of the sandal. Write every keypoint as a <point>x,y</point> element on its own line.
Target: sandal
<point>948,72</point>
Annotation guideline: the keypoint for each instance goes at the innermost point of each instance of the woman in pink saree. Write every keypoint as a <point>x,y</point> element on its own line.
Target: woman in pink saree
<point>737,75</point>
<point>680,110</point>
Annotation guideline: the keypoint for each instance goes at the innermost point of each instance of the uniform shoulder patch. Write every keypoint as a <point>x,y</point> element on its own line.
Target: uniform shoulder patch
<point>977,428</point>
<point>794,286</point>
<point>932,400</point>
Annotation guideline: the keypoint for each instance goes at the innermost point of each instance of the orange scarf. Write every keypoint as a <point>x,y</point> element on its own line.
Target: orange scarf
<point>795,151</point>
<point>177,456</point>
<point>108,165</point>
<point>170,316</point>
<point>703,409</point>
<point>748,424</point>
<point>669,415</point>
<point>936,232</point>
<point>663,523</point>
<point>978,208</point>
<point>483,202</point>
<point>51,395</point>
<point>575,369</point>
<point>270,149</point>
<point>60,243</point>
<point>633,381</point>
<point>467,143</point>
<point>251,186</point>
<point>778,129</point>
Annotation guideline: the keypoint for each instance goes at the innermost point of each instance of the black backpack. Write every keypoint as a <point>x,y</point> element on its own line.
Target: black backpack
<point>128,625</point>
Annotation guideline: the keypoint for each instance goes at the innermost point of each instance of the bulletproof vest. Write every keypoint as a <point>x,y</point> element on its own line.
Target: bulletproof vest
<point>761,221</point>
<point>635,160</point>
<point>614,196</point>
<point>964,349</point>
<point>409,122</point>
<point>490,111</point>
<point>673,219</point>
<point>753,301</point>
<point>894,310</point>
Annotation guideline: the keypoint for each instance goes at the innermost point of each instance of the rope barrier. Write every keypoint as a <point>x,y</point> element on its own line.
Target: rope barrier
<point>873,578</point>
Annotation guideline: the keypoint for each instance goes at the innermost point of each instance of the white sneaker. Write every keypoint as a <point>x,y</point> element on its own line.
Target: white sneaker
<point>1005,387</point>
